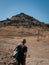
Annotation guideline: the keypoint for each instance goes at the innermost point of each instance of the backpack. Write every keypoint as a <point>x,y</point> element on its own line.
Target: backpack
<point>17,51</point>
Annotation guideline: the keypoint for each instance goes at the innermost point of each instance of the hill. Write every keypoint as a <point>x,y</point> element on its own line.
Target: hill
<point>22,20</point>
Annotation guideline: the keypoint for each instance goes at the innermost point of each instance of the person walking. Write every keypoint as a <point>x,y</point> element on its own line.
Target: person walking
<point>21,53</point>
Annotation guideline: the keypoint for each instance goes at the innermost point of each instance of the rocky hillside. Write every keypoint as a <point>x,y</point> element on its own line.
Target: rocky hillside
<point>22,20</point>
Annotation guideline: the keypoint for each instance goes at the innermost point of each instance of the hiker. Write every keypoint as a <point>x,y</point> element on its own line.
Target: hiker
<point>22,52</point>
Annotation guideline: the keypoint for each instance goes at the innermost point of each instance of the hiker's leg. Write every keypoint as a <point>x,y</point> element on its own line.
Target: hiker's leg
<point>23,63</point>
<point>18,63</point>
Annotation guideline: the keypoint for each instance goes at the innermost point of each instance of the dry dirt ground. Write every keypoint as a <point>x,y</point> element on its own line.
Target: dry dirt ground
<point>38,51</point>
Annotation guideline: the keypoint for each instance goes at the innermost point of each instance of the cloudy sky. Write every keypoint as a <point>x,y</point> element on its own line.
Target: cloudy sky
<point>38,9</point>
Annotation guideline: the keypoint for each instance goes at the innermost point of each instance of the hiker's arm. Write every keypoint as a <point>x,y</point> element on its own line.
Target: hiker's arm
<point>25,54</point>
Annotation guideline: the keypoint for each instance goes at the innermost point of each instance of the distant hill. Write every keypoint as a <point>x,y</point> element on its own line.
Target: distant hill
<point>22,20</point>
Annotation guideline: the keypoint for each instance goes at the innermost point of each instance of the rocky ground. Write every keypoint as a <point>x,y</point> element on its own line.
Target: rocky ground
<point>38,51</point>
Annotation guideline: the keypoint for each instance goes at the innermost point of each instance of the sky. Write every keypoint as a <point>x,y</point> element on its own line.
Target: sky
<point>38,9</point>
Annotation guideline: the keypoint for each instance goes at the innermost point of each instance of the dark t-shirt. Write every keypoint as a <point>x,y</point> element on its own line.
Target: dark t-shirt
<point>21,50</point>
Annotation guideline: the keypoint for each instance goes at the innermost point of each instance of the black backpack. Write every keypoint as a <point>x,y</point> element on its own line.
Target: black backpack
<point>17,50</point>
